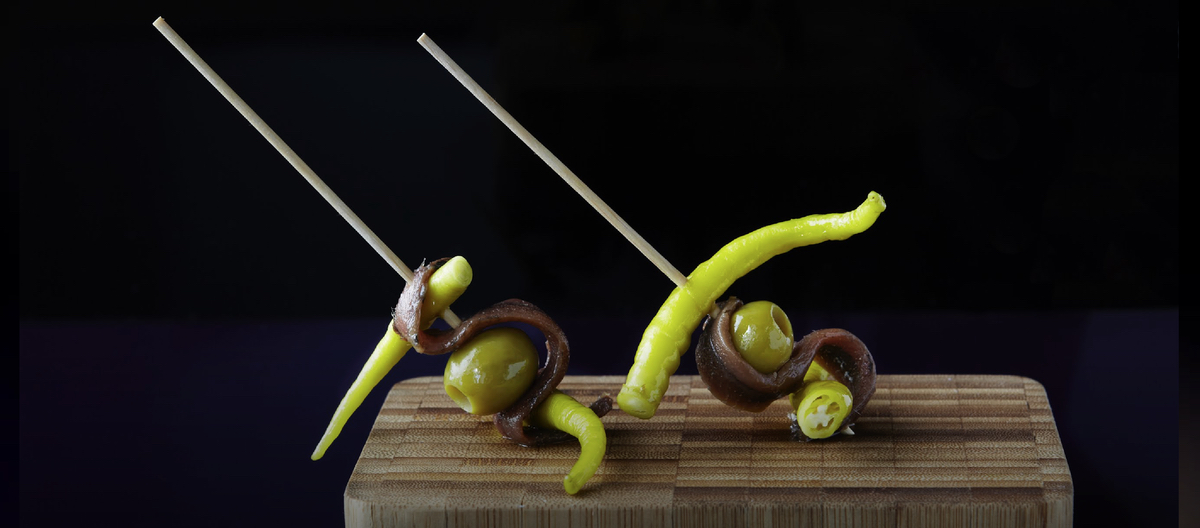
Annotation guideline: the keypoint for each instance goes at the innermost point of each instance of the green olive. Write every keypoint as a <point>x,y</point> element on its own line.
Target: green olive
<point>763,335</point>
<point>491,371</point>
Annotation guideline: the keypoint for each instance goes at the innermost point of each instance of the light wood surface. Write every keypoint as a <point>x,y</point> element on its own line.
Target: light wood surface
<point>978,451</point>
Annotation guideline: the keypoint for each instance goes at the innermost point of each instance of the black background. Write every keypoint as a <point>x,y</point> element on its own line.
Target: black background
<point>208,308</point>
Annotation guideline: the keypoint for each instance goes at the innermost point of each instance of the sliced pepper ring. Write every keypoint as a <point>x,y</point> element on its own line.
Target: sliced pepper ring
<point>845,357</point>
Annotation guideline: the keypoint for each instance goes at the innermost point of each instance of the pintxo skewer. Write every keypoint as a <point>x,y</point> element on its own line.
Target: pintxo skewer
<point>291,156</point>
<point>429,292</point>
<point>667,337</point>
<point>538,148</point>
<point>390,349</point>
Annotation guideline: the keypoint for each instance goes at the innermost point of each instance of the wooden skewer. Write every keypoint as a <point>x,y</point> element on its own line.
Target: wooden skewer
<point>613,218</point>
<point>292,158</point>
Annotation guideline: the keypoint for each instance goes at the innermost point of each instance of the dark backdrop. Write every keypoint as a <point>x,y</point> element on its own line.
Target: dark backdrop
<point>172,264</point>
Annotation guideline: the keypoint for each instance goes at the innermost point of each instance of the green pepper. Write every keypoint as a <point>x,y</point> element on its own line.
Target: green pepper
<point>668,336</point>
<point>816,372</point>
<point>445,286</point>
<point>563,413</point>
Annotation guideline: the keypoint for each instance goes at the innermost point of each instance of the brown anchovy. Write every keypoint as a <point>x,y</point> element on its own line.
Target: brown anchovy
<point>847,359</point>
<point>436,342</point>
<point>733,381</point>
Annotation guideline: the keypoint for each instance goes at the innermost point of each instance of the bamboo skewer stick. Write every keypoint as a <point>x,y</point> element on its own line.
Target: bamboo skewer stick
<point>613,218</point>
<point>292,158</point>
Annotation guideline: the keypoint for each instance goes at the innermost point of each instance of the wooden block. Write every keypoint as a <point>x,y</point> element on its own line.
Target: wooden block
<point>929,451</point>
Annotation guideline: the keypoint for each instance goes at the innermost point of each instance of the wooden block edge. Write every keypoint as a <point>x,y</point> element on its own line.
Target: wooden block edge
<point>416,381</point>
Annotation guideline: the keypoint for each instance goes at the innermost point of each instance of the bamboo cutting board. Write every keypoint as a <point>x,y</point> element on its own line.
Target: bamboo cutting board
<point>977,451</point>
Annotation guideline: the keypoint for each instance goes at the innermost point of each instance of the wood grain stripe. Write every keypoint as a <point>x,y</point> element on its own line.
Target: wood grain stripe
<point>929,451</point>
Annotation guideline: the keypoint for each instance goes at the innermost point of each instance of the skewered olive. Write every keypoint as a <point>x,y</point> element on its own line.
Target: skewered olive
<point>829,376</point>
<point>762,333</point>
<point>731,378</point>
<point>488,373</point>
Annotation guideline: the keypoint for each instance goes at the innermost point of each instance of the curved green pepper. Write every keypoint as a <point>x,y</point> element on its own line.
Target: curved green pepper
<point>445,286</point>
<point>668,336</point>
<point>563,413</point>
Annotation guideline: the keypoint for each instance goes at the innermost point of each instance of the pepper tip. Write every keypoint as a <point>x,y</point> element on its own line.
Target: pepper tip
<point>874,196</point>
<point>570,485</point>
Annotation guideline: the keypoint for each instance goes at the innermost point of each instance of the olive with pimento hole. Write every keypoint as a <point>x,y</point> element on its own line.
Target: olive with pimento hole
<point>762,334</point>
<point>491,371</point>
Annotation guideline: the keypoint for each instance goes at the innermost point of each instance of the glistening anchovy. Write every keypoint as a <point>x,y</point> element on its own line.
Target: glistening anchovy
<point>733,381</point>
<point>435,342</point>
